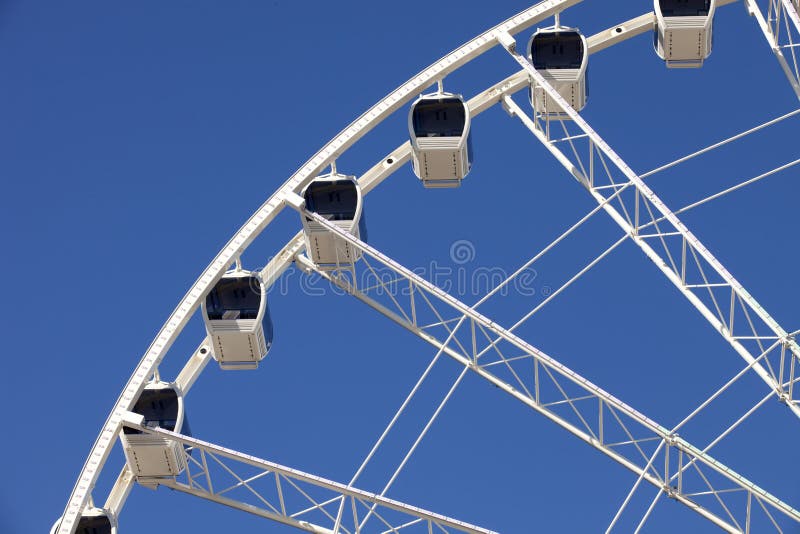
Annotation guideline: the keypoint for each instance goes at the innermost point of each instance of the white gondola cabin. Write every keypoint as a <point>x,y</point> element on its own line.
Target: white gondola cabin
<point>92,521</point>
<point>683,34</point>
<point>561,56</point>
<point>441,143</point>
<point>237,319</point>
<point>148,455</point>
<point>338,199</point>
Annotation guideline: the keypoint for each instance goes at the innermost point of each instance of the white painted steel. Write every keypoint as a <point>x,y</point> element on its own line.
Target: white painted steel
<point>622,32</point>
<point>259,220</point>
<point>120,491</point>
<point>194,366</point>
<point>720,143</point>
<point>790,9</point>
<point>676,223</point>
<point>769,20</point>
<point>495,94</point>
<point>339,490</point>
<point>663,266</point>
<point>470,360</point>
<point>81,493</point>
<point>284,259</point>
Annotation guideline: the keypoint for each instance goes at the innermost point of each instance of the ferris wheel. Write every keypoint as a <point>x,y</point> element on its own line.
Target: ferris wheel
<point>544,94</point>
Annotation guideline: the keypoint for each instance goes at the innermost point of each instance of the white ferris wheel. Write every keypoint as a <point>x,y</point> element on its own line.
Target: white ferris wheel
<point>544,94</point>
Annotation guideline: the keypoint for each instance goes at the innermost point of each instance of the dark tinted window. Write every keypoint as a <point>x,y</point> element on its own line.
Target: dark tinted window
<point>439,117</point>
<point>336,201</point>
<point>362,227</point>
<point>267,323</point>
<point>159,408</point>
<point>684,8</point>
<point>234,298</point>
<point>94,525</point>
<point>186,430</point>
<point>557,50</point>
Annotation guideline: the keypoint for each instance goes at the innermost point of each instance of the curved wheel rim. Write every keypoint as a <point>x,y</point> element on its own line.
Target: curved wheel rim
<point>318,167</point>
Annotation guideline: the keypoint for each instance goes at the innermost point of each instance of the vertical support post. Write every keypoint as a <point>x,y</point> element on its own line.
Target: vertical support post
<point>474,341</point>
<point>667,450</point>
<point>600,430</point>
<point>207,472</point>
<point>683,260</point>
<point>748,511</point>
<point>413,303</point>
<point>279,489</point>
<point>782,363</point>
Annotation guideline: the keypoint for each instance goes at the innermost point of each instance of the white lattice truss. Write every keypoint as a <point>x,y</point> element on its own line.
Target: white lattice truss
<point>779,21</point>
<point>301,500</point>
<point>655,453</point>
<point>658,455</point>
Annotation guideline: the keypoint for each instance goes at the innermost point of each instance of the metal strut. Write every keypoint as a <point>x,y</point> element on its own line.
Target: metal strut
<point>692,254</point>
<point>266,213</point>
<point>574,407</point>
<point>289,496</point>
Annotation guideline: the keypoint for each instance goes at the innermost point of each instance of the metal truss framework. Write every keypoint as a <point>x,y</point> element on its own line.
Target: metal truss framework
<point>301,500</point>
<point>657,455</point>
<point>768,349</point>
<point>689,475</point>
<point>81,493</point>
<point>780,23</point>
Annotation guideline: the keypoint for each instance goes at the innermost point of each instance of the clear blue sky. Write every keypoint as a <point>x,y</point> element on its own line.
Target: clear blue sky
<point>136,138</point>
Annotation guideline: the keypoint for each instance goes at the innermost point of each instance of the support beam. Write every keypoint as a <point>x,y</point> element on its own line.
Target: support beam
<point>289,496</point>
<point>571,412</point>
<point>645,198</point>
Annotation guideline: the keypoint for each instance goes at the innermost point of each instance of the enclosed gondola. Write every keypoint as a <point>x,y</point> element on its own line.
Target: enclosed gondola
<point>237,319</point>
<point>338,199</point>
<point>683,36</point>
<point>92,521</point>
<point>561,56</point>
<point>441,142</point>
<point>149,455</point>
